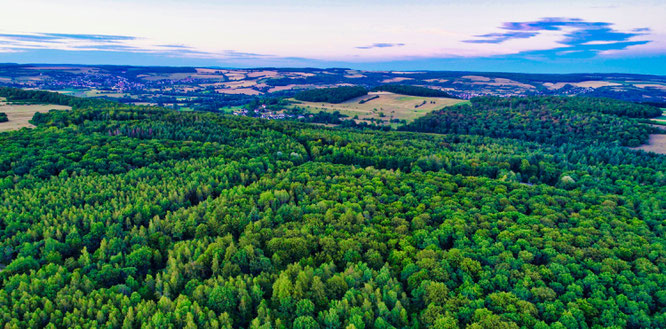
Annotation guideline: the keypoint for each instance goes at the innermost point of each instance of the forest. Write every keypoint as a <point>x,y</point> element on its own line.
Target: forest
<point>331,95</point>
<point>119,216</point>
<point>553,120</point>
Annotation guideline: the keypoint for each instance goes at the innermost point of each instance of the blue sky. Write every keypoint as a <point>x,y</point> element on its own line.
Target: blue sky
<point>513,35</point>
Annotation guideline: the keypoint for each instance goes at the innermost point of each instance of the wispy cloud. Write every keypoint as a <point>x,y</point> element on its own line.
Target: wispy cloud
<point>23,41</point>
<point>501,37</point>
<point>583,36</point>
<point>59,37</point>
<point>381,45</point>
<point>18,42</point>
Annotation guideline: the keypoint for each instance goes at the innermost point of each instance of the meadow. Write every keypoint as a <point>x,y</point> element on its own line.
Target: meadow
<point>385,108</point>
<point>19,115</point>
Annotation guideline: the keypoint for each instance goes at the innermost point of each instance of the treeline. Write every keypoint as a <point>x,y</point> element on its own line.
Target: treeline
<point>137,217</point>
<point>577,104</point>
<point>47,97</point>
<point>363,101</point>
<point>554,120</point>
<point>341,94</point>
<point>412,90</point>
<point>331,95</point>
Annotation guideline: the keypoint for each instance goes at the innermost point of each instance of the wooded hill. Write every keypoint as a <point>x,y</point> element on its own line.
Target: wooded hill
<point>331,95</point>
<point>554,120</point>
<point>136,217</point>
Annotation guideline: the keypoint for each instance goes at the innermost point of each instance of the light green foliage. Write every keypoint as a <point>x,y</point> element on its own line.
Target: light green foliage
<point>127,217</point>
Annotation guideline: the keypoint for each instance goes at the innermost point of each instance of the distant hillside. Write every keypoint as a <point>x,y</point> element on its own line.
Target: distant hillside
<point>212,89</point>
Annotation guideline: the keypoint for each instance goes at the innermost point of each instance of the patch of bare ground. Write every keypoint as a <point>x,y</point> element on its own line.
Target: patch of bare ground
<point>656,144</point>
<point>399,79</point>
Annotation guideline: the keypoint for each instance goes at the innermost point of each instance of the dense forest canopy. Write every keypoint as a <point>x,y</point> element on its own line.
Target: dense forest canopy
<point>412,90</point>
<point>119,216</point>
<point>331,95</point>
<point>555,120</point>
<point>37,96</point>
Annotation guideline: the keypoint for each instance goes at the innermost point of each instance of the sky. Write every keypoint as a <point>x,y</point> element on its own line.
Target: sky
<point>616,36</point>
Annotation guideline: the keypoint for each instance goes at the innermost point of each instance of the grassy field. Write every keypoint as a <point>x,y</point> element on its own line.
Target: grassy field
<point>229,109</point>
<point>19,115</point>
<point>386,107</point>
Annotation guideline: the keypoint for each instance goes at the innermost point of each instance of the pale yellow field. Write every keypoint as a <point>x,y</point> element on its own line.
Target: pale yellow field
<point>656,144</point>
<point>181,76</point>
<point>436,80</point>
<point>354,74</point>
<point>305,86</point>
<point>244,91</point>
<point>391,106</point>
<point>288,87</point>
<point>19,115</point>
<point>582,84</point>
<point>398,79</point>
<point>650,85</point>
<point>481,80</point>
<point>475,78</point>
<point>263,74</point>
<point>300,74</point>
<point>242,84</point>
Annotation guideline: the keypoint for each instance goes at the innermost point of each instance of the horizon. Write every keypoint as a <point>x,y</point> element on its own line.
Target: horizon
<point>323,68</point>
<point>618,36</point>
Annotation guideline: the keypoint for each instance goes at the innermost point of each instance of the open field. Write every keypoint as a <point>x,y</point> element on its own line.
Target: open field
<point>19,115</point>
<point>398,79</point>
<point>480,80</point>
<point>237,91</point>
<point>582,84</point>
<point>650,85</point>
<point>384,108</point>
<point>656,144</point>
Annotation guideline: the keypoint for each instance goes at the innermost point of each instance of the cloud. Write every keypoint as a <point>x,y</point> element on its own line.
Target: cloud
<point>581,32</point>
<point>21,42</point>
<point>381,45</point>
<point>60,37</point>
<point>501,37</point>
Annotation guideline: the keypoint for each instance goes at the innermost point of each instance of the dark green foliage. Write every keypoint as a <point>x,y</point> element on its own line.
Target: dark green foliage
<point>412,91</point>
<point>363,101</point>
<point>132,217</point>
<point>331,95</point>
<point>38,96</point>
<point>325,117</point>
<point>554,120</point>
<point>3,117</point>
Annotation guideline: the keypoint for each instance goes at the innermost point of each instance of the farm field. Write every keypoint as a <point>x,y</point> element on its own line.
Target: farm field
<point>656,144</point>
<point>20,115</point>
<point>386,107</point>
